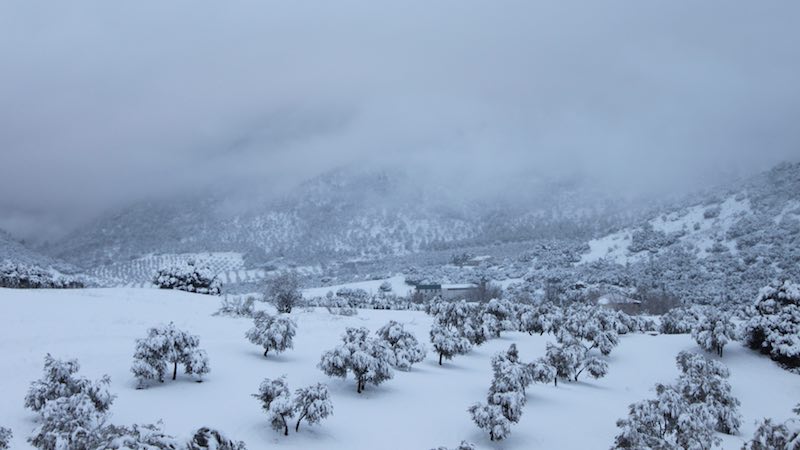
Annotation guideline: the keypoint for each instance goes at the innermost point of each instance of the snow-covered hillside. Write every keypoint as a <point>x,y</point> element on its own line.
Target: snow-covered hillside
<point>419,409</point>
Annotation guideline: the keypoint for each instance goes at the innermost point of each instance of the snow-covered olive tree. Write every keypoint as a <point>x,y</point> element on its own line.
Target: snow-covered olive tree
<point>570,360</point>
<point>775,324</point>
<point>276,401</point>
<point>272,332</point>
<point>210,439</point>
<point>60,380</point>
<point>666,422</point>
<point>464,445</point>
<point>166,345</point>
<point>448,342</point>
<point>499,315</point>
<point>705,381</point>
<point>283,291</point>
<point>713,331</point>
<point>490,418</point>
<point>406,350</point>
<point>313,404</point>
<point>368,359</point>
<point>775,435</point>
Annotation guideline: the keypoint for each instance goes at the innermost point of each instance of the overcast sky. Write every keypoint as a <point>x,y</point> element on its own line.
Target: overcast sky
<point>105,102</point>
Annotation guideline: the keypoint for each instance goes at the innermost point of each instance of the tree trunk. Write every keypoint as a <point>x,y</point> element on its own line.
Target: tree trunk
<point>297,427</point>
<point>555,381</point>
<point>440,359</point>
<point>265,352</point>
<point>174,370</point>
<point>285,426</point>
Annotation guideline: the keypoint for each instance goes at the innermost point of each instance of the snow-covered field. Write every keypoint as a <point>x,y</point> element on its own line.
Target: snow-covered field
<point>419,409</point>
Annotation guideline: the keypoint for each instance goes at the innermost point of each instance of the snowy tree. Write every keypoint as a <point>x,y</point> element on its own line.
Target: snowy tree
<point>680,320</point>
<point>166,345</point>
<point>704,381</point>
<point>490,418</point>
<point>448,342</point>
<point>499,315</point>
<point>313,404</point>
<point>775,324</point>
<point>542,318</point>
<point>713,331</point>
<point>236,307</point>
<point>368,359</point>
<point>283,291</point>
<point>272,332</point>
<point>210,439</point>
<point>542,372</point>
<point>770,435</point>
<point>570,360</point>
<point>276,401</point>
<point>188,277</point>
<point>509,373</point>
<point>405,348</point>
<point>72,422</point>
<point>667,422</point>
<point>138,437</point>
<point>385,287</point>
<point>60,381</point>
<point>5,438</point>
<point>590,326</point>
<point>464,445</point>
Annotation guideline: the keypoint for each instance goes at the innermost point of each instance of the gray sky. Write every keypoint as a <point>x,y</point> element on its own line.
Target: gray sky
<point>105,102</point>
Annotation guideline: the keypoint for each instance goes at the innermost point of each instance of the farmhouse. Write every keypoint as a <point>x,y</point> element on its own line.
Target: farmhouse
<point>447,291</point>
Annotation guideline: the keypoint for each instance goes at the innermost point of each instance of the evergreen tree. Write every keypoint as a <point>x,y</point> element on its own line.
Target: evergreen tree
<point>448,342</point>
<point>313,404</point>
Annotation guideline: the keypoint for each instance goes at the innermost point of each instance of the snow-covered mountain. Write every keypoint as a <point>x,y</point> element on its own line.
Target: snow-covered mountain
<point>341,215</point>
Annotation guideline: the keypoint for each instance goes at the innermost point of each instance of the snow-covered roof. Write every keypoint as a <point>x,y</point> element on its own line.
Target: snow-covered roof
<point>458,286</point>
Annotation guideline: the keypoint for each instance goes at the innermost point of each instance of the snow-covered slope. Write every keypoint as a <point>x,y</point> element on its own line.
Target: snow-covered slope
<point>420,409</point>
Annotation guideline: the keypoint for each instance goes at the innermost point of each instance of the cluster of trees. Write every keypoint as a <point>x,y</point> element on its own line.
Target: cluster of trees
<point>371,360</point>
<point>189,277</point>
<point>167,345</point>
<point>73,414</point>
<point>311,404</point>
<point>774,324</point>
<point>24,276</point>
<point>685,414</point>
<point>5,438</point>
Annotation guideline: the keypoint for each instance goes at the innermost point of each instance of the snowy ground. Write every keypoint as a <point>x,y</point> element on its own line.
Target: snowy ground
<point>419,409</point>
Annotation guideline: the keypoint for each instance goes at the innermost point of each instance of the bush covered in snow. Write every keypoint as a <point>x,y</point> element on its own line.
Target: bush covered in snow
<point>188,277</point>
<point>236,306</point>
<point>775,325</point>
<point>5,438</point>
<point>714,330</point>
<point>210,439</point>
<point>311,403</point>
<point>368,359</point>
<point>272,332</point>
<point>167,345</point>
<point>406,350</point>
<point>464,445</point>
<point>24,276</point>
<point>770,435</point>
<point>703,380</point>
<point>570,360</point>
<point>60,381</point>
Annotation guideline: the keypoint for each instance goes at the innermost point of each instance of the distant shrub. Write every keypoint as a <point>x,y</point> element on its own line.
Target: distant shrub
<point>283,291</point>
<point>188,277</point>
<point>236,307</point>
<point>712,212</point>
